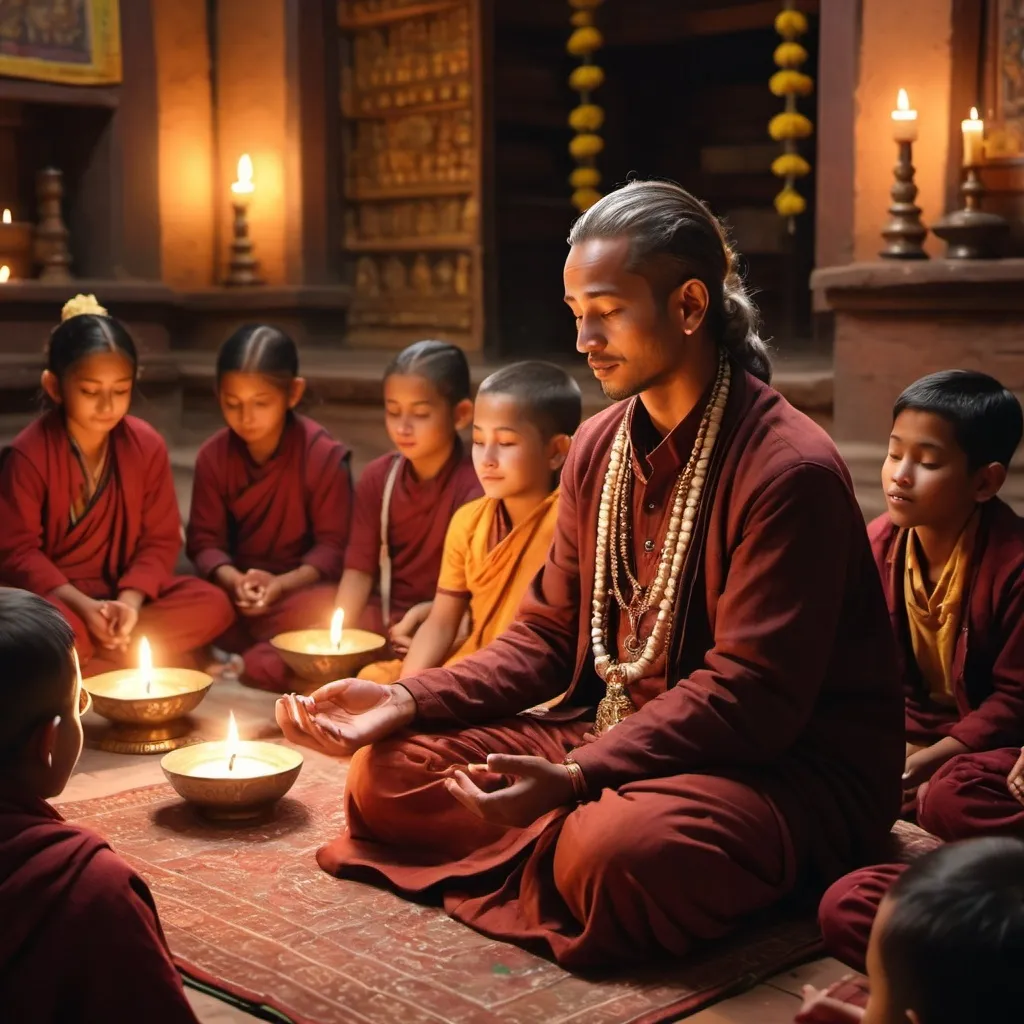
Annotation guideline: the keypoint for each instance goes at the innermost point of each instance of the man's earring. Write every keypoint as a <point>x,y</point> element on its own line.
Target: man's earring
<point>687,330</point>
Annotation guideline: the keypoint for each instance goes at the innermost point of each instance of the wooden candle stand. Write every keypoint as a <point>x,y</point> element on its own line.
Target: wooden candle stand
<point>243,268</point>
<point>904,234</point>
<point>51,245</point>
<point>970,233</point>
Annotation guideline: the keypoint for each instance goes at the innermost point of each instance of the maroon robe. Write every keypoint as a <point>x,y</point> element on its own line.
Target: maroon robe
<point>766,756</point>
<point>418,519</point>
<point>293,510</point>
<point>80,940</point>
<point>968,796</point>
<point>128,538</point>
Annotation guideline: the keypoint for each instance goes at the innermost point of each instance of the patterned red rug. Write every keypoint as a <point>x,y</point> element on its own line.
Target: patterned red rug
<point>247,912</point>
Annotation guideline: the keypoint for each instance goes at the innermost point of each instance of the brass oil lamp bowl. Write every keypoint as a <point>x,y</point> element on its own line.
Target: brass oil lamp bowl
<point>232,779</point>
<point>320,656</point>
<point>147,707</point>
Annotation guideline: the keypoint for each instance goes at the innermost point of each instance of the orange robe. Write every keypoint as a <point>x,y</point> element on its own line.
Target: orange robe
<point>128,538</point>
<point>293,510</point>
<point>80,940</point>
<point>766,751</point>
<point>491,566</point>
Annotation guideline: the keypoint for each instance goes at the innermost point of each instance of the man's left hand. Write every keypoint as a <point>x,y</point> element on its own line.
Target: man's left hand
<point>539,787</point>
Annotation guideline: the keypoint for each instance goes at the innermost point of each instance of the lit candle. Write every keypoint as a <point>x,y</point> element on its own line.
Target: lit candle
<point>904,120</point>
<point>233,759</point>
<point>243,186</point>
<point>973,129</point>
<point>5,274</point>
<point>337,627</point>
<point>7,217</point>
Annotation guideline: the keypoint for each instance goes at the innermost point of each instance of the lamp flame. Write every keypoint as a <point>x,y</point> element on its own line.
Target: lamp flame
<point>5,274</point>
<point>231,746</point>
<point>7,217</point>
<point>337,627</point>
<point>902,100</point>
<point>974,113</point>
<point>244,185</point>
<point>146,664</point>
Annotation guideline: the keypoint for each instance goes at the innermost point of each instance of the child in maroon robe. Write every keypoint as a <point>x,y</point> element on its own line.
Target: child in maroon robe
<point>80,939</point>
<point>951,556</point>
<point>271,503</point>
<point>90,518</point>
<point>411,495</point>
<point>947,946</point>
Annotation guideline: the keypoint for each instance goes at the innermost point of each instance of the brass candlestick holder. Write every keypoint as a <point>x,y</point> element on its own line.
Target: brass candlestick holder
<point>970,233</point>
<point>904,233</point>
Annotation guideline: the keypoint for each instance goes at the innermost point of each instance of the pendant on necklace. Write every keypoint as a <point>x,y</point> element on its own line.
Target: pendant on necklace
<point>633,644</point>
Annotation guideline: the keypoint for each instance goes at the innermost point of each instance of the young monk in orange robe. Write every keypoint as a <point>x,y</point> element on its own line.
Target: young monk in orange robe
<point>80,939</point>
<point>710,589</point>
<point>951,557</point>
<point>405,500</point>
<point>90,518</point>
<point>271,503</point>
<point>523,420</point>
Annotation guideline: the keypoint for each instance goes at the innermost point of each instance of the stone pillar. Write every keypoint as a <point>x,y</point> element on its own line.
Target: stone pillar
<point>906,45</point>
<point>187,212</point>
<point>252,117</point>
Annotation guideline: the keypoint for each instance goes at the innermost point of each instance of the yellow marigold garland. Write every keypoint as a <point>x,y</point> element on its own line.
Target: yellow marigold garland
<point>587,118</point>
<point>790,125</point>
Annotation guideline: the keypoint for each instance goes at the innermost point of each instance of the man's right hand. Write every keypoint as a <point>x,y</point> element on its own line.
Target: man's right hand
<point>345,715</point>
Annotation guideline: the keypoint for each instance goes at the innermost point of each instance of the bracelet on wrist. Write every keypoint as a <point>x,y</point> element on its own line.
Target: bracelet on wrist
<point>576,777</point>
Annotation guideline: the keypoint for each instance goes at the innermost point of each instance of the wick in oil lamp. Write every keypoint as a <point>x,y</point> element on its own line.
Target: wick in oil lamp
<point>243,268</point>
<point>904,233</point>
<point>321,655</point>
<point>970,233</point>
<point>232,780</point>
<point>15,248</point>
<point>147,707</point>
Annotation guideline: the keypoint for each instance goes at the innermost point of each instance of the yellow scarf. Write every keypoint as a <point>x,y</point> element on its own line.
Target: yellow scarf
<point>934,618</point>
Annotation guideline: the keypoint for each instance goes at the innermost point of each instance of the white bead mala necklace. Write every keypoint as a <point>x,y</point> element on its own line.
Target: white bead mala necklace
<point>614,550</point>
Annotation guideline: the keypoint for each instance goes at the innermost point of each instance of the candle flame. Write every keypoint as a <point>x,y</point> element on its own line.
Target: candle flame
<point>337,627</point>
<point>974,113</point>
<point>146,664</point>
<point>5,274</point>
<point>7,217</point>
<point>231,746</point>
<point>244,183</point>
<point>902,100</point>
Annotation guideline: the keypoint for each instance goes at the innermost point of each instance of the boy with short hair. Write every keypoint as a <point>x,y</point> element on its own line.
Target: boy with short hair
<point>951,555</point>
<point>523,422</point>
<point>80,939</point>
<point>947,946</point>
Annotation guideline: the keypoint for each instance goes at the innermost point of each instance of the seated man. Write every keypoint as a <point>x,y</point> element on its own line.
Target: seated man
<point>710,589</point>
<point>80,939</point>
<point>951,556</point>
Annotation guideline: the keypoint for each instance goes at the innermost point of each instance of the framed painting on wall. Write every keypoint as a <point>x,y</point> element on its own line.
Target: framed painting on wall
<point>70,42</point>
